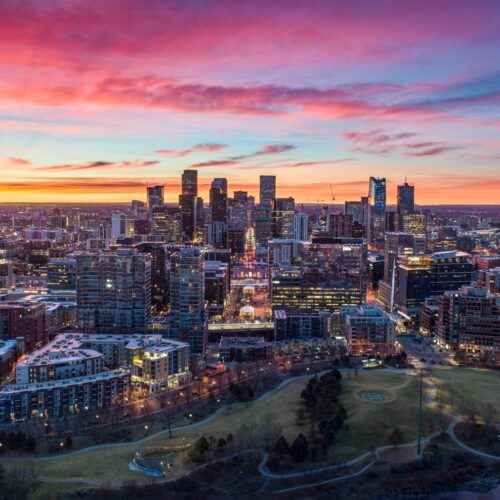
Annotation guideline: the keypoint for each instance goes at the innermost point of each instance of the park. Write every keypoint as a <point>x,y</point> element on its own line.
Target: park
<point>376,403</point>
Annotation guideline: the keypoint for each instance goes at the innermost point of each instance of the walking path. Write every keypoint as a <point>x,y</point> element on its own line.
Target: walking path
<point>262,467</point>
<point>163,432</point>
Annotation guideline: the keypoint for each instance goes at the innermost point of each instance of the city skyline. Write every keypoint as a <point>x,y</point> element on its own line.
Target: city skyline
<point>317,94</point>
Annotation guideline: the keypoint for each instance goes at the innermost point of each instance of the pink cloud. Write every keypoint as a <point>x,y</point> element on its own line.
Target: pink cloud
<point>197,148</point>
<point>15,161</point>
<point>270,149</point>
<point>100,164</point>
<point>380,142</point>
<point>83,35</point>
<point>432,151</point>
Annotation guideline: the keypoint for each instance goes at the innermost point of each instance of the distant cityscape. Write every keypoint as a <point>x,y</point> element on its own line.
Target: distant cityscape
<point>78,282</point>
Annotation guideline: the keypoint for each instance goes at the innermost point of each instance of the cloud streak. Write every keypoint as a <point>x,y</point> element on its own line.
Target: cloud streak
<point>208,147</point>
<point>380,142</point>
<point>93,165</point>
<point>270,149</point>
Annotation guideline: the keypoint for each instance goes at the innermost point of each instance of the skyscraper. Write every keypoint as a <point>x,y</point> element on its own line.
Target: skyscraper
<point>113,291</point>
<point>217,233</point>
<point>166,222</point>
<point>238,211</point>
<point>267,190</point>
<point>190,182</point>
<point>188,203</point>
<point>406,199</point>
<point>221,183</point>
<point>188,314</point>
<point>376,209</point>
<point>283,218</point>
<point>301,226</point>
<point>155,197</point>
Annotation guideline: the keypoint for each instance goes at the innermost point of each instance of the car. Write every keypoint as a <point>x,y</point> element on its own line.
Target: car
<point>423,360</point>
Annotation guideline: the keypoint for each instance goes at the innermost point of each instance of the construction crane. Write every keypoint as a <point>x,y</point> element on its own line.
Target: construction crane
<point>331,191</point>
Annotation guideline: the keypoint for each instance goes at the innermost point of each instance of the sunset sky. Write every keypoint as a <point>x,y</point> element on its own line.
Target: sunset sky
<point>100,98</point>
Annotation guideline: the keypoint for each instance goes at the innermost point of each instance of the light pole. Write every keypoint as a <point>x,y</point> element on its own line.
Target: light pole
<point>419,437</point>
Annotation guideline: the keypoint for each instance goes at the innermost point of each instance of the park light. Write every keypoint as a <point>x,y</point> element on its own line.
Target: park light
<point>61,444</point>
<point>146,427</point>
<point>190,415</point>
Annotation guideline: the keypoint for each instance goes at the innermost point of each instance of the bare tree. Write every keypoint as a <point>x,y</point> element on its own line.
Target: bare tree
<point>488,412</point>
<point>268,429</point>
<point>441,417</point>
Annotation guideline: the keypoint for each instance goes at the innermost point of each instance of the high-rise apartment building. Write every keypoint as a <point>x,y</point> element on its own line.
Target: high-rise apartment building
<point>370,331</point>
<point>23,320</point>
<point>61,273</point>
<point>489,279</point>
<point>301,227</point>
<point>188,313</point>
<point>113,291</point>
<point>341,225</point>
<point>117,224</point>
<point>469,323</point>
<point>450,271</point>
<point>6,273</point>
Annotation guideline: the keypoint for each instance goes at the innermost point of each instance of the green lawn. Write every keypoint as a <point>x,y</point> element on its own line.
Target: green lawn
<point>372,423</point>
<point>368,423</point>
<point>476,384</point>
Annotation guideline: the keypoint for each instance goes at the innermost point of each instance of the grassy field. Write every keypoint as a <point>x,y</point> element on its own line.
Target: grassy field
<point>476,384</point>
<point>372,423</point>
<point>368,423</point>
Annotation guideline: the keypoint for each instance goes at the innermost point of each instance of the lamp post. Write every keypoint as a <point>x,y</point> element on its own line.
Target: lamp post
<point>419,437</point>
